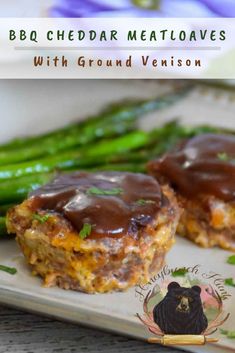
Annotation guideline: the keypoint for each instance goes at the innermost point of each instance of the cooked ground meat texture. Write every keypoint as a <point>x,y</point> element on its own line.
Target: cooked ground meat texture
<point>129,223</point>
<point>202,172</point>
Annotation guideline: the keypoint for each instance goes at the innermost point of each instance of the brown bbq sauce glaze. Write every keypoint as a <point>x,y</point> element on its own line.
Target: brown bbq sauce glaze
<point>109,215</point>
<point>202,165</point>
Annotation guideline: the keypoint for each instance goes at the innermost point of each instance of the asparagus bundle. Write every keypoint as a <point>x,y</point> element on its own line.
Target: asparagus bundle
<point>109,141</point>
<point>116,120</point>
<point>75,158</point>
<point>127,153</point>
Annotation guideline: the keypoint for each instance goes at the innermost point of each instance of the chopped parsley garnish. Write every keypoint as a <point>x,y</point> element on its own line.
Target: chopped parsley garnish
<point>231,260</point>
<point>10,270</point>
<point>228,334</point>
<point>85,231</point>
<point>223,156</point>
<point>105,192</point>
<point>142,202</point>
<point>229,282</point>
<point>181,272</point>
<point>41,219</point>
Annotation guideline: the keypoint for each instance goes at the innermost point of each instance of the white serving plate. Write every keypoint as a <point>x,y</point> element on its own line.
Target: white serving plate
<point>43,105</point>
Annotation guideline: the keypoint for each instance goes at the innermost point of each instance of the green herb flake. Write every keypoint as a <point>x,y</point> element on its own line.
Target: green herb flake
<point>231,260</point>
<point>228,334</point>
<point>41,219</point>
<point>105,192</point>
<point>181,272</point>
<point>223,332</point>
<point>10,270</point>
<point>85,231</point>
<point>229,282</point>
<point>142,202</point>
<point>231,334</point>
<point>223,156</point>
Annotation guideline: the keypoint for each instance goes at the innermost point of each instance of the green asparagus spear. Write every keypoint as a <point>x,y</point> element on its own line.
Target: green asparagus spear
<point>125,167</point>
<point>165,138</point>
<point>5,207</point>
<point>59,143</point>
<point>77,159</point>
<point>17,189</point>
<point>87,131</point>
<point>3,230</point>
<point>161,139</point>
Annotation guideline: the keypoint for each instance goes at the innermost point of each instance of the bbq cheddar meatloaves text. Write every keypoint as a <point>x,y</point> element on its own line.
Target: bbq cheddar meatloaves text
<point>96,232</point>
<point>202,172</point>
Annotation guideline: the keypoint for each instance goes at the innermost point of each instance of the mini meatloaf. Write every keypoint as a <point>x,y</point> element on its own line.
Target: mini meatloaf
<point>96,232</point>
<point>202,172</point>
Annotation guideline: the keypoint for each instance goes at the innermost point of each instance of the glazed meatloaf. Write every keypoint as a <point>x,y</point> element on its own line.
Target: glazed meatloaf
<point>96,232</point>
<point>202,172</point>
